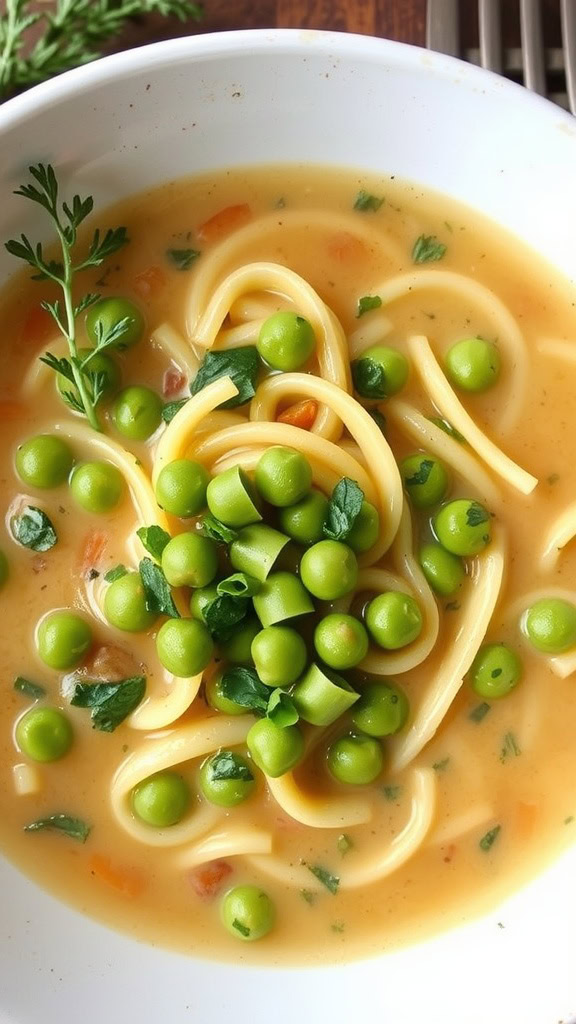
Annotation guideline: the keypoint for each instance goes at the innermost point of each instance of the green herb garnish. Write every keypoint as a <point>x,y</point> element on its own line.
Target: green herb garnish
<point>281,709</point>
<point>243,686</point>
<point>75,828</point>
<point>366,303</point>
<point>330,881</point>
<point>510,747</point>
<point>28,688</point>
<point>154,539</point>
<point>171,408</point>
<point>156,589</point>
<point>213,528</point>
<point>379,419</point>
<point>365,202</point>
<point>441,766</point>
<point>343,509</point>
<point>240,584</point>
<point>476,514</point>
<point>116,573</point>
<point>447,428</point>
<point>227,765</point>
<point>242,928</point>
<point>427,249</point>
<point>479,712</point>
<point>222,614</point>
<point>489,839</point>
<point>422,473</point>
<point>308,896</point>
<point>33,529</point>
<point>337,926</point>
<point>183,259</point>
<point>392,792</point>
<point>240,364</point>
<point>110,703</point>
<point>344,844</point>
<point>369,378</point>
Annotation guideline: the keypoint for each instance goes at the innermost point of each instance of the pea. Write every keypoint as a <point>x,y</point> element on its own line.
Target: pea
<point>218,701</point>
<point>550,625</point>
<point>184,646</point>
<point>282,596</point>
<point>283,476</point>
<point>181,488</point>
<point>355,759</point>
<point>105,314</point>
<point>286,341</point>
<point>248,913</point>
<point>329,570</point>
<point>495,671</point>
<point>463,527</point>
<point>201,599</point>
<point>161,800</point>
<point>473,364</point>
<point>382,709</point>
<point>425,479</point>
<point>394,620</point>
<point>341,641</point>
<point>190,560</point>
<point>304,521</point>
<point>237,647</point>
<point>44,734</point>
<point>275,751</point>
<point>232,498</point>
<point>4,569</point>
<point>226,779</point>
<point>137,413</point>
<point>366,529</point>
<point>125,605</point>
<point>380,372</point>
<point>44,461</point>
<point>279,655</point>
<point>444,571</point>
<point>62,639</point>
<point>97,486</point>
<point>94,362</point>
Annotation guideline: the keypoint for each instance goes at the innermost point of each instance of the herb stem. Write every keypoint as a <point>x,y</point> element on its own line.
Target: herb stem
<point>9,44</point>
<point>66,285</point>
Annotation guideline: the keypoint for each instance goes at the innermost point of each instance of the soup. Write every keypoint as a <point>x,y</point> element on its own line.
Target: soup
<point>286,566</point>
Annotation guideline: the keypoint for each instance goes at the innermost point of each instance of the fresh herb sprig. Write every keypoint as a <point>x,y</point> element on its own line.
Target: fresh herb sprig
<point>66,218</point>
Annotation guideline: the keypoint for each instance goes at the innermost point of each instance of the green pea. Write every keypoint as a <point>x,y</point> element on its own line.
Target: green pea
<point>97,486</point>
<point>190,560</point>
<point>247,913</point>
<point>44,734</point>
<point>321,696</point>
<point>282,596</point>
<point>217,700</point>
<point>4,569</point>
<point>329,570</point>
<point>237,648</point>
<point>366,529</point>
<point>473,364</point>
<point>304,521</point>
<point>125,605</point>
<point>184,646</point>
<point>232,498</point>
<point>44,461</point>
<point>341,641</point>
<point>382,709</point>
<point>279,655</point>
<point>394,620</point>
<point>550,625</point>
<point>283,476</point>
<point>275,751</point>
<point>226,779</point>
<point>105,314</point>
<point>62,639</point>
<point>201,599</point>
<point>181,488</point>
<point>463,527</point>
<point>425,479</point>
<point>256,549</point>
<point>495,671</point>
<point>444,571</point>
<point>286,341</point>
<point>94,362</point>
<point>355,759</point>
<point>161,800</point>
<point>137,413</point>
<point>380,372</point>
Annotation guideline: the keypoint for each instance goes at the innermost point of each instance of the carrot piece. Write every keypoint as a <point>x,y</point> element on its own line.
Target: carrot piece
<point>93,547</point>
<point>174,381</point>
<point>149,282</point>
<point>11,410</point>
<point>207,880</point>
<point>346,248</point>
<point>224,222</point>
<point>125,880</point>
<point>37,326</point>
<point>301,415</point>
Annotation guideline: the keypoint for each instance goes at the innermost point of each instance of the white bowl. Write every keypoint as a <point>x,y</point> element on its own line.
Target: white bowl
<point>192,104</point>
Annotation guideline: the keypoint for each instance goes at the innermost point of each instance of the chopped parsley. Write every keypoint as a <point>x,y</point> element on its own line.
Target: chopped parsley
<point>171,408</point>
<point>242,928</point>
<point>488,840</point>
<point>28,688</point>
<point>240,364</point>
<point>343,509</point>
<point>228,765</point>
<point>222,614</point>
<point>74,828</point>
<point>157,590</point>
<point>116,573</point>
<point>392,792</point>
<point>366,202</point>
<point>447,428</point>
<point>479,712</point>
<point>34,529</point>
<point>427,249</point>
<point>183,259</point>
<point>510,747</point>
<point>476,514</point>
<point>422,473</point>
<point>330,881</point>
<point>215,530</point>
<point>154,539</point>
<point>110,703</point>
<point>366,303</point>
<point>243,686</point>
<point>308,896</point>
<point>441,766</point>
<point>379,419</point>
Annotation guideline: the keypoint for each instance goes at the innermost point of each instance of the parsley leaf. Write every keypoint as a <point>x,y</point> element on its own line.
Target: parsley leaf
<point>365,202</point>
<point>28,688</point>
<point>447,428</point>
<point>240,584</point>
<point>243,686</point>
<point>422,473</point>
<point>227,765</point>
<point>156,589</point>
<point>392,792</point>
<point>369,378</point>
<point>427,249</point>
<point>510,747</point>
<point>240,364</point>
<point>489,839</point>
<point>154,539</point>
<point>171,408</point>
<point>344,844</point>
<point>479,712</point>
<point>281,709</point>
<point>441,766</point>
<point>343,509</point>
<point>308,896</point>
<point>222,614</point>
<point>242,928</point>
<point>33,529</point>
<point>366,303</point>
<point>183,259</point>
<point>75,828</point>
<point>110,703</point>
<point>213,528</point>
<point>476,514</point>
<point>379,419</point>
<point>325,877</point>
<point>116,573</point>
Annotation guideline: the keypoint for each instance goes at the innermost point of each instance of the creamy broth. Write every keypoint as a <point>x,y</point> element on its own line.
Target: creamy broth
<point>504,776</point>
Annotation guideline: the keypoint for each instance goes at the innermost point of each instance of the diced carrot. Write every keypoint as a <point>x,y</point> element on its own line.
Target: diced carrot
<point>346,248</point>
<point>526,815</point>
<point>301,415</point>
<point>207,880</point>
<point>149,282</point>
<point>127,881</point>
<point>93,547</point>
<point>11,410</point>
<point>224,222</point>
<point>36,326</point>
<point>174,381</point>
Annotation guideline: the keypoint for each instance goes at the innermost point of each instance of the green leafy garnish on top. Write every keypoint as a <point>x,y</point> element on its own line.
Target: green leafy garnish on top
<point>110,703</point>
<point>74,828</point>
<point>366,202</point>
<point>369,378</point>
<point>171,408</point>
<point>157,589</point>
<point>427,249</point>
<point>228,765</point>
<point>488,840</point>
<point>447,428</point>
<point>240,364</point>
<point>330,881</point>
<point>215,530</point>
<point>28,688</point>
<point>183,259</point>
<point>34,529</point>
<point>421,475</point>
<point>343,509</point>
<point>244,687</point>
<point>154,539</point>
<point>476,514</point>
<point>366,303</point>
<point>222,614</point>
